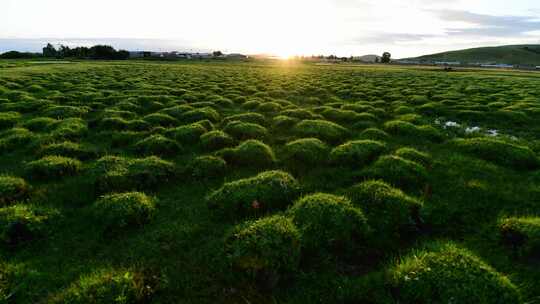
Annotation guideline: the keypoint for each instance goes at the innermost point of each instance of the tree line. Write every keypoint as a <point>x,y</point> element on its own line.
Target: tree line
<point>102,52</point>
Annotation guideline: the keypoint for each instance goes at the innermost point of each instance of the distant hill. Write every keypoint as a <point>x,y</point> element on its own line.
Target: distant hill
<point>509,54</point>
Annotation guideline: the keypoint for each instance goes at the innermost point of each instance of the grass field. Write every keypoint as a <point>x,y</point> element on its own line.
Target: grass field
<point>279,182</point>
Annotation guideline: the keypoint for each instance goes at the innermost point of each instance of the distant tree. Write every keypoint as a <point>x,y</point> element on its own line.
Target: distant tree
<point>63,51</point>
<point>386,57</point>
<point>377,60</point>
<point>102,52</point>
<point>80,52</point>
<point>217,53</point>
<point>107,52</point>
<point>18,55</point>
<point>49,51</point>
<point>122,55</point>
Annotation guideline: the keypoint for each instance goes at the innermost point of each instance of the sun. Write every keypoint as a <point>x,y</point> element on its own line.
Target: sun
<point>285,53</point>
<point>285,56</point>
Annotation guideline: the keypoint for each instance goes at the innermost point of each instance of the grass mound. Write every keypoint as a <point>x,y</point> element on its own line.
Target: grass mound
<point>176,111</point>
<point>307,151</point>
<point>122,210</point>
<point>62,112</point>
<point>357,153</point>
<point>157,145</point>
<point>215,140</point>
<point>52,167</point>
<point>407,129</point>
<point>499,152</point>
<point>113,173</point>
<point>399,172</point>
<point>268,107</point>
<point>9,119</point>
<point>245,130</point>
<point>299,114</point>
<point>267,191</point>
<point>15,139</point>
<point>522,234</point>
<point>124,138</point>
<point>446,273</point>
<point>188,134</point>
<point>114,123</point>
<point>71,129</point>
<point>329,222</point>
<point>341,116</point>
<point>107,286</point>
<point>67,149</point>
<point>206,167</point>
<point>250,153</point>
<point>264,250</point>
<point>205,113</point>
<point>414,155</point>
<point>255,118</point>
<point>12,189</point>
<point>283,122</point>
<point>374,134</point>
<point>160,119</point>
<point>39,124</point>
<point>322,129</point>
<point>8,281</point>
<point>20,224</point>
<point>393,214</point>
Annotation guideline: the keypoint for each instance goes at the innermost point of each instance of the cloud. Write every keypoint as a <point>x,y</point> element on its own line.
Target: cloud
<point>393,38</point>
<point>488,25</point>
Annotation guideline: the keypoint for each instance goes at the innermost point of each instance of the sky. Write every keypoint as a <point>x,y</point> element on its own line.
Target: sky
<point>405,28</point>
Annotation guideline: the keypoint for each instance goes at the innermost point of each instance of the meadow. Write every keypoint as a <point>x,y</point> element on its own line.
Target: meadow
<point>257,182</point>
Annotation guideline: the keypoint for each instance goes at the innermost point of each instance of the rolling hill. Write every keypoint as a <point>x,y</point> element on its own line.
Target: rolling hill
<point>509,54</point>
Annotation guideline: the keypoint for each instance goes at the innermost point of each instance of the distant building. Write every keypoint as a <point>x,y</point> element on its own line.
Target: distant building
<point>138,54</point>
<point>408,62</point>
<point>447,63</point>
<point>367,58</point>
<point>183,55</point>
<point>201,55</point>
<point>236,56</point>
<point>157,54</point>
<point>498,65</point>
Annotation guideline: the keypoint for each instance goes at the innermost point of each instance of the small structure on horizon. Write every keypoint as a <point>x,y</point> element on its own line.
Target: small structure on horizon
<point>367,58</point>
<point>184,55</point>
<point>236,56</point>
<point>447,63</point>
<point>498,65</point>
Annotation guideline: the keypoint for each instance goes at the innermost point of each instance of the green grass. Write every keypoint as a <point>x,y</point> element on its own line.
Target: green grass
<point>197,182</point>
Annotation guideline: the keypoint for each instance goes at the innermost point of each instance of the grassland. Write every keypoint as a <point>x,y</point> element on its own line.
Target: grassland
<point>256,182</point>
